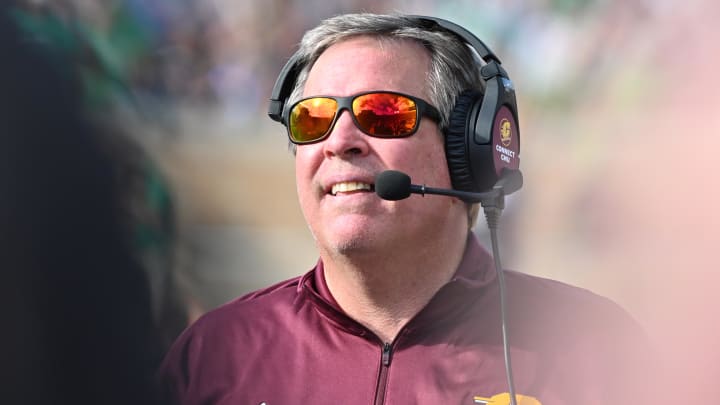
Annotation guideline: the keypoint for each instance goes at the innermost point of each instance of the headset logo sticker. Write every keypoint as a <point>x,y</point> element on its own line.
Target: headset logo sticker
<point>505,132</point>
<point>506,153</point>
<point>504,399</point>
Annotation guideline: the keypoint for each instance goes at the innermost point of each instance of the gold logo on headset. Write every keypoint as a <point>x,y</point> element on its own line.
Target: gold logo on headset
<point>505,132</point>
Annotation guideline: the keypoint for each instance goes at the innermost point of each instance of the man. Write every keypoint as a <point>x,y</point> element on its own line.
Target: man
<point>403,305</point>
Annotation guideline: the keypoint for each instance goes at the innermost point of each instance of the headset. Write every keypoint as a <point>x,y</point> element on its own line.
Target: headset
<point>482,139</point>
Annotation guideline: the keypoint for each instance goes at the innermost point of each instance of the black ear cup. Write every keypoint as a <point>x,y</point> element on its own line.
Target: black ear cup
<point>457,149</point>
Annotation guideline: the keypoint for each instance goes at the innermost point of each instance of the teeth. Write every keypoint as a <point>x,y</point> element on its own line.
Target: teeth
<point>349,186</point>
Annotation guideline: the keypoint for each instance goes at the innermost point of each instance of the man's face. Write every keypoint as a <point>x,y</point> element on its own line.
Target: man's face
<point>358,221</point>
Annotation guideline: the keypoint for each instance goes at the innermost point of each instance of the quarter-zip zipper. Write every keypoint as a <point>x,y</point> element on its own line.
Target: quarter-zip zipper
<point>386,352</point>
<point>385,359</point>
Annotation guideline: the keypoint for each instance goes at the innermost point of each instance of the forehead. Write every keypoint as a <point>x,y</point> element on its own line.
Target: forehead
<point>369,63</point>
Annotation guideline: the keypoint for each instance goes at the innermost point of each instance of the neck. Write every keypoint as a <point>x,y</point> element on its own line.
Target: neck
<point>383,290</point>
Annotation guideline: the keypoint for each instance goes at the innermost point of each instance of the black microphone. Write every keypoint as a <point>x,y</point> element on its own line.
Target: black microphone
<point>394,185</point>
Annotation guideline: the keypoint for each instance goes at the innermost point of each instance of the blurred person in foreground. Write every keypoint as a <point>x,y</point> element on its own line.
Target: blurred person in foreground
<point>403,306</point>
<point>75,301</point>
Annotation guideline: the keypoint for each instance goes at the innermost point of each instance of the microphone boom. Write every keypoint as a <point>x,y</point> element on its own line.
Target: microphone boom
<point>394,185</point>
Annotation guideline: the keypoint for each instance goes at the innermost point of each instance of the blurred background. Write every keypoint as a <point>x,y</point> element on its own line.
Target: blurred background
<point>619,115</point>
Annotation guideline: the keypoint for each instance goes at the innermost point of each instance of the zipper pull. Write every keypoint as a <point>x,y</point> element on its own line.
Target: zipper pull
<point>387,348</point>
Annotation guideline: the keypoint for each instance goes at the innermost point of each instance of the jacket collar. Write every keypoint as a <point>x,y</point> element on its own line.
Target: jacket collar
<point>472,276</point>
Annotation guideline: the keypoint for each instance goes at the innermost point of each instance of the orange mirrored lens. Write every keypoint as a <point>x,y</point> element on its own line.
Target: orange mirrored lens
<point>385,114</point>
<point>311,119</point>
<point>379,114</point>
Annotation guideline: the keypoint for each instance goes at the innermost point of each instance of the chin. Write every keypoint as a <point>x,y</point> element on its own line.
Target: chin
<point>353,243</point>
<point>350,248</point>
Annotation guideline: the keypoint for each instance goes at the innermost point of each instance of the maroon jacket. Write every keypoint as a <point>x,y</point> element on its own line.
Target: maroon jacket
<point>292,344</point>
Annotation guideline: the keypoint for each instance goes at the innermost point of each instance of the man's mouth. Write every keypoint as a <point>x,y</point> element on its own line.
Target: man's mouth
<point>350,187</point>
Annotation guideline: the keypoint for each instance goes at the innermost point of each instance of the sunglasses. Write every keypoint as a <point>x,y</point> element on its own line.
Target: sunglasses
<point>380,114</point>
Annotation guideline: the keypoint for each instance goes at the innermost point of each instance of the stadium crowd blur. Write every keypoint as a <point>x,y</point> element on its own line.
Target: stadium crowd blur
<point>227,53</point>
<point>609,95</point>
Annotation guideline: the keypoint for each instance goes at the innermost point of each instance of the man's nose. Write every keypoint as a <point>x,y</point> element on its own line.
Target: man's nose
<point>345,138</point>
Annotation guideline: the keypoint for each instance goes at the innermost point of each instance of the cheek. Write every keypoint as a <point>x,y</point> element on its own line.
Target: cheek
<point>428,164</point>
<point>307,162</point>
<point>303,180</point>
<point>437,173</point>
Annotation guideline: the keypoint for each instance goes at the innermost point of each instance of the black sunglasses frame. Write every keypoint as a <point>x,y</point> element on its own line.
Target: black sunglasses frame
<point>345,103</point>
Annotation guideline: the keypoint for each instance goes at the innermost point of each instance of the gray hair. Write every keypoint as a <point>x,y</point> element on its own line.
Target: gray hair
<point>454,67</point>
